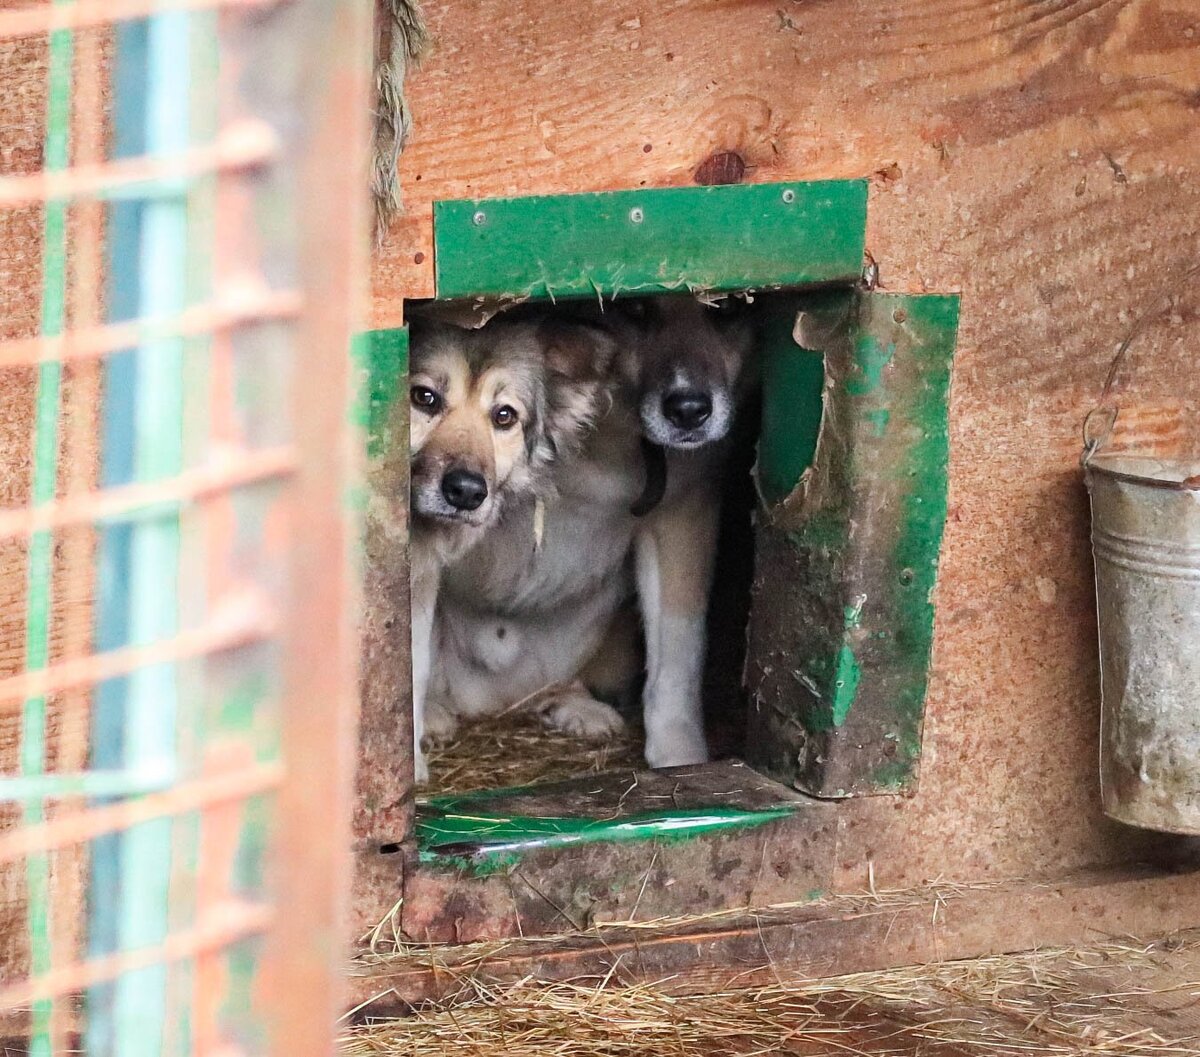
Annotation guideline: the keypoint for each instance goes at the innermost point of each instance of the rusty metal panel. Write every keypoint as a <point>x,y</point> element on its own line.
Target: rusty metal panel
<point>842,617</point>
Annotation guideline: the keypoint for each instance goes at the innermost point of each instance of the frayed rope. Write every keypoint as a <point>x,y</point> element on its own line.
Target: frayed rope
<point>400,40</point>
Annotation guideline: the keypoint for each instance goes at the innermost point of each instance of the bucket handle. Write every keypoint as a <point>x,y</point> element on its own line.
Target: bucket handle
<point>1099,423</point>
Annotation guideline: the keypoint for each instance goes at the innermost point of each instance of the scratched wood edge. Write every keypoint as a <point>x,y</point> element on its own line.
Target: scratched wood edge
<point>834,938</point>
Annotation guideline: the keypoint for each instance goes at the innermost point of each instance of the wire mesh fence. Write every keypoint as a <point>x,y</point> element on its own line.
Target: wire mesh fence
<point>176,679</point>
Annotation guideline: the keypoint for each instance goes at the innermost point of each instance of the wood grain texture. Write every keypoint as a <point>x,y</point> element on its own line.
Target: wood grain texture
<point>1041,157</point>
<point>839,936</point>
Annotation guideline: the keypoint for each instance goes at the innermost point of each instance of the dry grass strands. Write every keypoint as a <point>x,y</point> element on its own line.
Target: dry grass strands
<point>1117,1000</point>
<point>515,749</point>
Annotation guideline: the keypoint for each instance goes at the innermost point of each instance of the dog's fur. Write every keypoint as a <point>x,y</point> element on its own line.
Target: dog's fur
<point>517,615</point>
<point>499,405</point>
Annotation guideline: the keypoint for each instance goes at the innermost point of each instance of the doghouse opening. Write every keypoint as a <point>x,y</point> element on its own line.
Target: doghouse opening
<point>822,596</point>
<point>512,744</point>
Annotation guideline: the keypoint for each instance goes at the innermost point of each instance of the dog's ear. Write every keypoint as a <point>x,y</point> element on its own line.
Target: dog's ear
<point>579,365</point>
<point>576,351</point>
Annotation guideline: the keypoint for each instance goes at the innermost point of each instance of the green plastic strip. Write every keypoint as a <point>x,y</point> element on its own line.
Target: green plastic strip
<point>478,838</point>
<point>41,548</point>
<point>751,236</point>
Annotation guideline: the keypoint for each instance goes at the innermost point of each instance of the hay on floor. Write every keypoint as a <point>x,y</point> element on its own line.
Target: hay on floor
<point>515,749</point>
<point>1114,999</point>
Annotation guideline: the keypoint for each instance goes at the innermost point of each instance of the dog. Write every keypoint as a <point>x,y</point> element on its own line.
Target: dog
<point>633,516</point>
<point>491,411</point>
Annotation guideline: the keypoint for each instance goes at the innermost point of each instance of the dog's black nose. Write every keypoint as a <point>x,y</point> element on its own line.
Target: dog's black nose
<point>464,490</point>
<point>687,408</point>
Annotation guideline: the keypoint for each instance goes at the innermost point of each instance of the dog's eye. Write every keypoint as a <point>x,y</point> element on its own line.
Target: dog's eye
<point>504,417</point>
<point>424,398</point>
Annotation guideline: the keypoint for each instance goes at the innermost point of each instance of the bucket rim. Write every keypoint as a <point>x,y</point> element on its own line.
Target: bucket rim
<point>1182,475</point>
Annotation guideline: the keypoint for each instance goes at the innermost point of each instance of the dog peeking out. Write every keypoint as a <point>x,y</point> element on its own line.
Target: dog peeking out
<point>492,410</point>
<point>632,516</point>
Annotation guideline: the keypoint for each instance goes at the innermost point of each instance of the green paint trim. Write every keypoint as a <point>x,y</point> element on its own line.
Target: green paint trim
<point>934,321</point>
<point>381,359</point>
<point>855,537</point>
<point>491,841</point>
<point>57,157</point>
<point>652,241</point>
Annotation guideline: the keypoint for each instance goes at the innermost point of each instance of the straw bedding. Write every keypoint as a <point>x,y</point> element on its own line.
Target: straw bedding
<point>515,749</point>
<point>1114,999</point>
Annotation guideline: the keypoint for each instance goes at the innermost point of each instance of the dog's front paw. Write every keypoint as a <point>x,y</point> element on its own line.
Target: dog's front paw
<point>681,749</point>
<point>577,713</point>
<point>420,768</point>
<point>440,723</point>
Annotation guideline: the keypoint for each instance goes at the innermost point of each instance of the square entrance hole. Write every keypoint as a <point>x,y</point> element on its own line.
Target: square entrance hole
<point>513,742</point>
<point>823,585</point>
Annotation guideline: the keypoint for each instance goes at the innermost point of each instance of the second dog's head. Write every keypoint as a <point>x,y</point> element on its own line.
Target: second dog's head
<point>687,364</point>
<point>492,408</point>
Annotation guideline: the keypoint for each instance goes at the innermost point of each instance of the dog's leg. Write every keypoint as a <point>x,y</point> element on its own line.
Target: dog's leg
<point>424,587</point>
<point>613,672</point>
<point>675,552</point>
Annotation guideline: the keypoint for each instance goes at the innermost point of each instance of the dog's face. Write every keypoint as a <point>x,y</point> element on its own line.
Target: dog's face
<point>687,364</point>
<point>491,408</point>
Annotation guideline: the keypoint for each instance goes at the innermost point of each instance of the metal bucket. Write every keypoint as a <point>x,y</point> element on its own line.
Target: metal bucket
<point>1146,545</point>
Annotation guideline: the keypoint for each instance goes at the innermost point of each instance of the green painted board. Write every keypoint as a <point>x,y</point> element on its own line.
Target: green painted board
<point>745,236</point>
<point>381,359</point>
<point>848,545</point>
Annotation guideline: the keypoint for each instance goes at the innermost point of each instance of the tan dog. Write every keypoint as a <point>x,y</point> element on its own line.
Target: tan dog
<point>516,617</point>
<point>491,410</point>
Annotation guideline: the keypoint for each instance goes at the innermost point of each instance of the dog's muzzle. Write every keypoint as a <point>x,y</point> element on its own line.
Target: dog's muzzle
<point>686,416</point>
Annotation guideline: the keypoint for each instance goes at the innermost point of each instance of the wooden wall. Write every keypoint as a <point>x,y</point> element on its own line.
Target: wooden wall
<point>1043,158</point>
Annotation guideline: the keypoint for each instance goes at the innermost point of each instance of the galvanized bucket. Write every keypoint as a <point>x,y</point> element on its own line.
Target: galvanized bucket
<point>1146,545</point>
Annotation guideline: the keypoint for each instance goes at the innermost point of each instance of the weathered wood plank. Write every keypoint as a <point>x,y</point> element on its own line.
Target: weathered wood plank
<point>833,938</point>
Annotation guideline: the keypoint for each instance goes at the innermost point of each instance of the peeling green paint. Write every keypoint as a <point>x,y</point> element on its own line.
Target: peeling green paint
<point>879,419</point>
<point>870,360</point>
<point>845,685</point>
<point>848,555</point>
<point>492,842</point>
